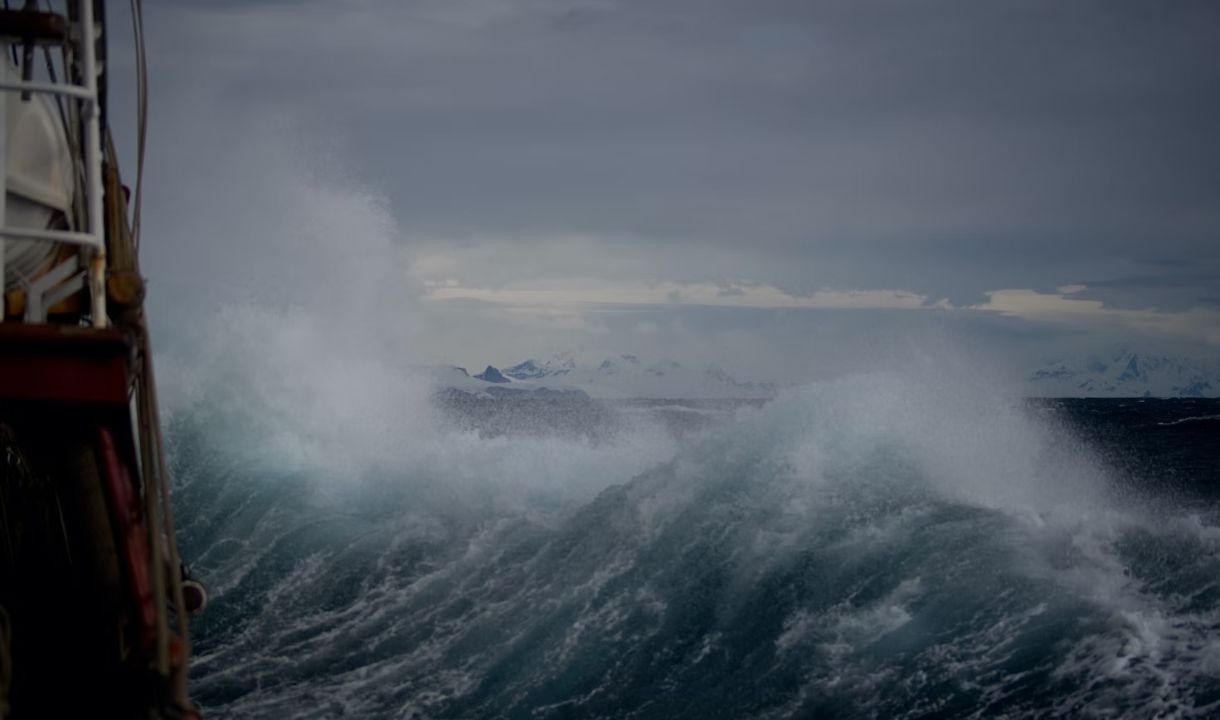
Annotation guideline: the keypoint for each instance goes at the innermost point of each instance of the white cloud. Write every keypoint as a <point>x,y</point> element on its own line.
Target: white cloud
<point>592,291</point>
<point>569,303</point>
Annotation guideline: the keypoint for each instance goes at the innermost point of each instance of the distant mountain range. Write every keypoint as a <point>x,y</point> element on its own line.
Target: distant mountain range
<point>1127,374</point>
<point>616,377</point>
<point>456,383</point>
<point>625,376</point>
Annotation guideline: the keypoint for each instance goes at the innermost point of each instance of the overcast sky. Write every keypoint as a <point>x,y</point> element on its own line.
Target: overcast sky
<point>775,184</point>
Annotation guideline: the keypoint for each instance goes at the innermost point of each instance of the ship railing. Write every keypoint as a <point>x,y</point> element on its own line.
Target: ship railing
<point>67,278</point>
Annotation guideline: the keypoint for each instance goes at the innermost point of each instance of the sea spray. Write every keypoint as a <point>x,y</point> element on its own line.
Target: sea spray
<point>879,546</point>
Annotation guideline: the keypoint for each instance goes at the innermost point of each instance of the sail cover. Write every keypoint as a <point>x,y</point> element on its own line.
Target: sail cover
<point>38,179</point>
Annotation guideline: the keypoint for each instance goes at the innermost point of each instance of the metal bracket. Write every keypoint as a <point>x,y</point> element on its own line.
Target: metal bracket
<point>52,287</point>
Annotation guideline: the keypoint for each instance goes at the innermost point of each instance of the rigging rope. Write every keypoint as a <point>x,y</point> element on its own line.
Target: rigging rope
<point>137,27</point>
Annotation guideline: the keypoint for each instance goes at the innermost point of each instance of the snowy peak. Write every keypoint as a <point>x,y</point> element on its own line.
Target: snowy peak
<point>492,375</point>
<point>533,370</point>
<point>1127,374</point>
<point>615,365</point>
<point>1131,371</point>
<point>528,370</point>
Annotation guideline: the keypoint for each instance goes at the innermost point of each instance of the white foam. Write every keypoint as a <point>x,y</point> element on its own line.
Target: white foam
<point>1196,418</point>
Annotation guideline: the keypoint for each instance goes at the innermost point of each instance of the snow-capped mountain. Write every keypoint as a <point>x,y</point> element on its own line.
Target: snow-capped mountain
<point>626,376</point>
<point>531,370</point>
<point>456,382</point>
<point>616,377</point>
<point>1127,374</point>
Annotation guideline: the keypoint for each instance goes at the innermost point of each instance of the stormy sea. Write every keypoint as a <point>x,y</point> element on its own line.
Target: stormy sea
<point>876,546</point>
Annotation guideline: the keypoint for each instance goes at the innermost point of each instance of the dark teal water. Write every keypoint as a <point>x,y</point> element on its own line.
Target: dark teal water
<point>863,549</point>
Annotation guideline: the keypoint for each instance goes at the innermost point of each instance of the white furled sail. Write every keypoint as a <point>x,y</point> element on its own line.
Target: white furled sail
<point>38,180</point>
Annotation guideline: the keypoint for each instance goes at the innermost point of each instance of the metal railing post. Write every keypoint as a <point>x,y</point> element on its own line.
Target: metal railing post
<point>93,165</point>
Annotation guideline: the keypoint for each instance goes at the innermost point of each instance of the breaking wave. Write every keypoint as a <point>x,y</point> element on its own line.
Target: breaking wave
<point>879,546</point>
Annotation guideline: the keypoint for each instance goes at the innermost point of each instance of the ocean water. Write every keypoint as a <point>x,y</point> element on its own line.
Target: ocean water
<point>874,547</point>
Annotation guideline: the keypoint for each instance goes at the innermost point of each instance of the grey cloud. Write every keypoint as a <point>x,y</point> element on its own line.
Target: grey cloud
<point>1172,292</point>
<point>1157,281</point>
<point>948,147</point>
<point>871,122</point>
